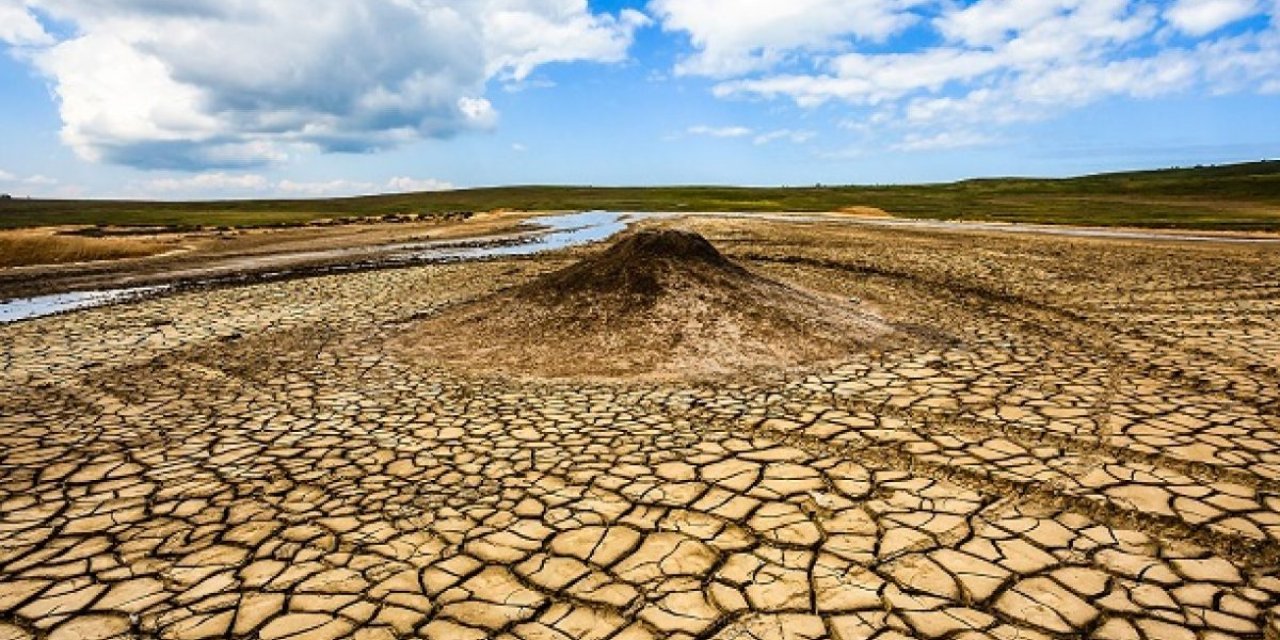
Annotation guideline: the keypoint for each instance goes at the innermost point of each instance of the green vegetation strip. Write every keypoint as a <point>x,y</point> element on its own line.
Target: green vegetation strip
<point>1239,197</point>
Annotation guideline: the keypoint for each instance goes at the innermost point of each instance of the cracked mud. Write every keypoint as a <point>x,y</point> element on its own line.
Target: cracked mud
<point>1084,442</point>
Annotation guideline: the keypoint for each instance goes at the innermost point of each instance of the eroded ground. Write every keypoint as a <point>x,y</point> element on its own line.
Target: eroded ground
<point>75,258</point>
<point>1089,448</point>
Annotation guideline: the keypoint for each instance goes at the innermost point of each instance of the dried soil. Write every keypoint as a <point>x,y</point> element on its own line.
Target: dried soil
<point>656,304</point>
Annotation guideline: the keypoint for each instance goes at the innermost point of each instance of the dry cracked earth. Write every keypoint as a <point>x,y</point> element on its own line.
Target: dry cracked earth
<point>1085,443</point>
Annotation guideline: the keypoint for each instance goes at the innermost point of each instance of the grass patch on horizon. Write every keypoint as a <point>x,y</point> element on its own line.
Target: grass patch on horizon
<point>1241,197</point>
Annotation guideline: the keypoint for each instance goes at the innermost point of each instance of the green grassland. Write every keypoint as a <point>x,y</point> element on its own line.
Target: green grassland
<point>1238,196</point>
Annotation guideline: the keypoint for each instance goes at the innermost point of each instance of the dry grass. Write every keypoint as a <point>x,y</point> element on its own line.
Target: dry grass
<point>29,249</point>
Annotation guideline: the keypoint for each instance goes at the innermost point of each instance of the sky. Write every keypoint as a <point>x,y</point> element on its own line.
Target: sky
<point>177,99</point>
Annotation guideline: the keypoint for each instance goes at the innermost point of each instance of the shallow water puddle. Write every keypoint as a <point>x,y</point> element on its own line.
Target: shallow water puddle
<point>40,306</point>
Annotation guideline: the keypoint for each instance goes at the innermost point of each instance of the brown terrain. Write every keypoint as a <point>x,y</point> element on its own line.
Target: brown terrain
<point>56,259</point>
<point>946,433</point>
<point>657,304</point>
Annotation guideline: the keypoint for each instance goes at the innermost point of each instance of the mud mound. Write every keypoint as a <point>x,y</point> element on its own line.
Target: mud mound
<point>642,267</point>
<point>655,304</point>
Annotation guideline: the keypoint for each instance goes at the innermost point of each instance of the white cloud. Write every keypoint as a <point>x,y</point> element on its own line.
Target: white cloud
<point>1199,17</point>
<point>763,138</point>
<point>980,104</point>
<point>943,140</point>
<point>1067,31</point>
<point>1034,96</point>
<point>990,22</point>
<point>208,182</point>
<point>341,187</point>
<point>5,176</point>
<point>19,27</point>
<point>520,38</point>
<point>795,137</point>
<point>325,188</point>
<point>406,185</point>
<point>224,184</point>
<point>209,83</point>
<point>1248,62</point>
<point>719,132</point>
<point>869,79</point>
<point>738,36</point>
<point>995,62</point>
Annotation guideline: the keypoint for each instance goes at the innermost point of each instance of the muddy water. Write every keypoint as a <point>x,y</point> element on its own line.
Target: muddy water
<point>546,234</point>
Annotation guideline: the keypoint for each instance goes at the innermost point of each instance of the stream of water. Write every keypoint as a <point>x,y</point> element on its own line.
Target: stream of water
<point>557,232</point>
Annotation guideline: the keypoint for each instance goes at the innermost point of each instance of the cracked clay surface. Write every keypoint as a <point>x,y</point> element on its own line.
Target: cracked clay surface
<point>1087,445</point>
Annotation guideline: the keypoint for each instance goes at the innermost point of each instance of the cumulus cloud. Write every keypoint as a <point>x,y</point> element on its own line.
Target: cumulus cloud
<point>19,27</point>
<point>737,36</point>
<point>989,39</point>
<point>1199,17</point>
<point>989,61</point>
<point>239,83</point>
<point>520,39</point>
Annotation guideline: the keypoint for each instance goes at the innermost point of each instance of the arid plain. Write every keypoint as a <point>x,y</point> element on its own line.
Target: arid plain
<point>1035,436</point>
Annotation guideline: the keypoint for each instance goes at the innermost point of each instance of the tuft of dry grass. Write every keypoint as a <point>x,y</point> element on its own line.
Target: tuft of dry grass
<point>29,249</point>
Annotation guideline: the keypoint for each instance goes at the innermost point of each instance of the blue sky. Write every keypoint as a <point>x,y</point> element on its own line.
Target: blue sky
<point>298,98</point>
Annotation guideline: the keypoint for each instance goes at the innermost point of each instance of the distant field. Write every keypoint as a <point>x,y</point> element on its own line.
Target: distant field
<point>1240,196</point>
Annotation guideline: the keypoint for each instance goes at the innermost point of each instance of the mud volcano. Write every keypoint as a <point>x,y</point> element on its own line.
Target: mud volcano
<point>655,304</point>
